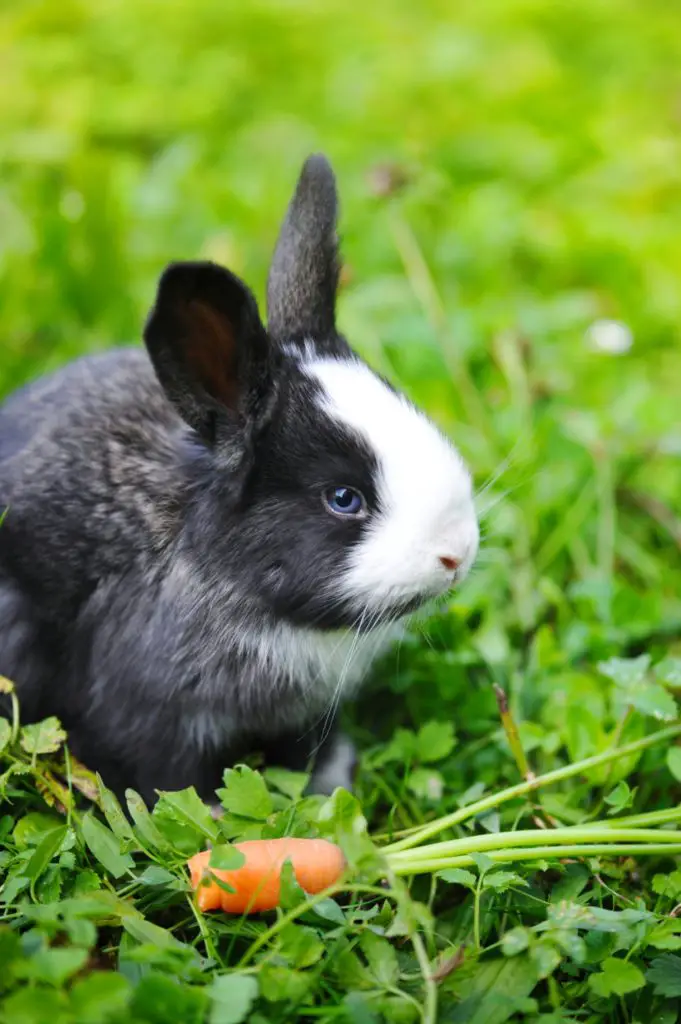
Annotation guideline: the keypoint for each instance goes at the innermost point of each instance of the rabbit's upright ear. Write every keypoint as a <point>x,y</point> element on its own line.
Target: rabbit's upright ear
<point>303,278</point>
<point>209,348</point>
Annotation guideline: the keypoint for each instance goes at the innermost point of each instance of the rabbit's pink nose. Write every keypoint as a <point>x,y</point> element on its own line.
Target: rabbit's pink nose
<point>449,562</point>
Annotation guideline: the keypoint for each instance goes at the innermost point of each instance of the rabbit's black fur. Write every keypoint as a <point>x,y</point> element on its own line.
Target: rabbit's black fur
<point>168,575</point>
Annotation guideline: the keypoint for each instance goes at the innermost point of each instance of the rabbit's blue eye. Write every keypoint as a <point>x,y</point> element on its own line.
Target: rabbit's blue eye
<point>345,501</point>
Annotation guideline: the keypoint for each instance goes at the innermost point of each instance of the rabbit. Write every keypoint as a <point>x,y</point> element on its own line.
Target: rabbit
<point>208,539</point>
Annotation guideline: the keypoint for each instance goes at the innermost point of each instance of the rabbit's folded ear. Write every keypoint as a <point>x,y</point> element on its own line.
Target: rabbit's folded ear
<point>209,348</point>
<point>303,277</point>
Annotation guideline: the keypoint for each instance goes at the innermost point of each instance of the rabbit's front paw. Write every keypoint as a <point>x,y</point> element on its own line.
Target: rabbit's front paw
<point>336,769</point>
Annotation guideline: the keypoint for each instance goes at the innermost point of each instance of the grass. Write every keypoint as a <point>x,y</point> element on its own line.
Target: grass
<point>510,177</point>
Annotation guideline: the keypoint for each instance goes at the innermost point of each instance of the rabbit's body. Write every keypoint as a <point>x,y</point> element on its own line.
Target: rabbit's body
<point>154,646</point>
<point>176,583</point>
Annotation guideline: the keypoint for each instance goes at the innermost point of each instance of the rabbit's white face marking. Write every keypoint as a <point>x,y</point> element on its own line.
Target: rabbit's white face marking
<point>426,504</point>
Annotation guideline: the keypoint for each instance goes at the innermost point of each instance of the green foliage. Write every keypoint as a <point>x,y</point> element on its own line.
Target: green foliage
<point>665,975</point>
<point>509,178</point>
<point>630,675</point>
<point>105,847</point>
<point>232,996</point>
<point>616,977</point>
<point>43,738</point>
<point>245,794</point>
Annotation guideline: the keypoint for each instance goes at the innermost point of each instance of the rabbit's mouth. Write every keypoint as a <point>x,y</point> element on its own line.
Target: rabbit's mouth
<point>400,609</point>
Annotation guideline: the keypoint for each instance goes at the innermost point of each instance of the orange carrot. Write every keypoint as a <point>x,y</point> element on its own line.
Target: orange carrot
<point>317,864</point>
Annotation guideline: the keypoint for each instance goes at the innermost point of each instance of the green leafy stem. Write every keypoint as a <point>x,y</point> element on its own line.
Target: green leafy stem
<point>630,835</point>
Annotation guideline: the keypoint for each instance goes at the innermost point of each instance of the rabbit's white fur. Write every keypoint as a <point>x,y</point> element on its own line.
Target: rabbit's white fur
<point>425,490</point>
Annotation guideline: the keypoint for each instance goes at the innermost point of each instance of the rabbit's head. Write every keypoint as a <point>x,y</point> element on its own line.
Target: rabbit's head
<point>333,499</point>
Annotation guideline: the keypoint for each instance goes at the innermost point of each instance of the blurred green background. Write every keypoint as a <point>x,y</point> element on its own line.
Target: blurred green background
<point>510,172</point>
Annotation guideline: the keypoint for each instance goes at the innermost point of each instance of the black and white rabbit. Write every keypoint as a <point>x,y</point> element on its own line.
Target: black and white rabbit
<point>204,542</point>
